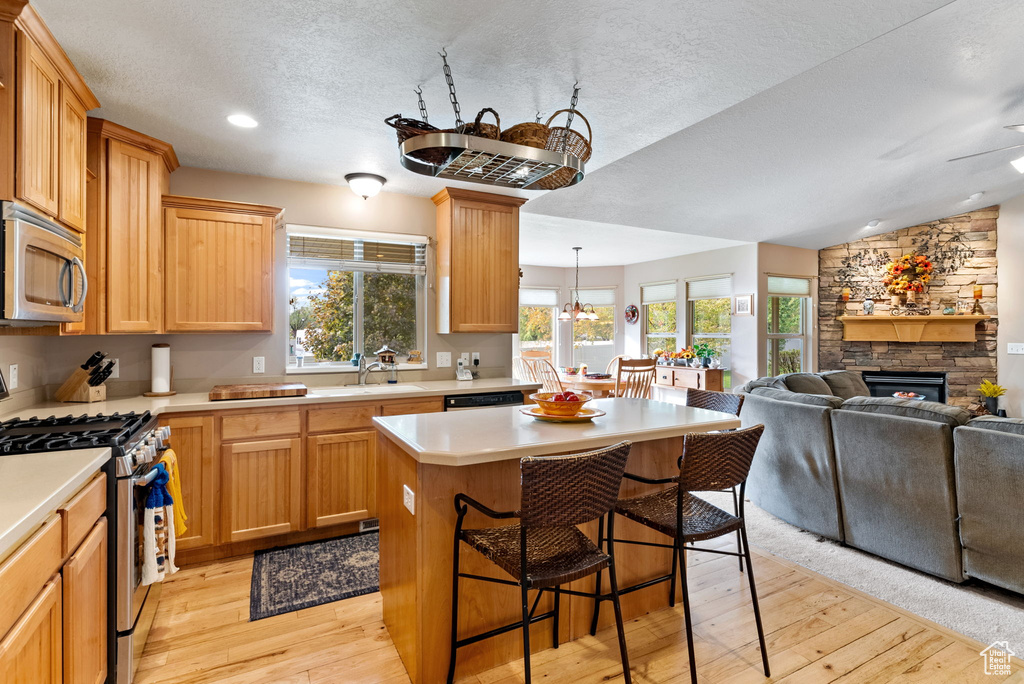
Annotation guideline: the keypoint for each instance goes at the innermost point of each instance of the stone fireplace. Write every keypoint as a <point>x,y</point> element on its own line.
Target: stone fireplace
<point>963,249</point>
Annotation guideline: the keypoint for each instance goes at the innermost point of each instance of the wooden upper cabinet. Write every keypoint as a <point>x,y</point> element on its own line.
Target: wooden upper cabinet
<point>71,152</point>
<point>135,184</point>
<point>219,265</point>
<point>477,262</point>
<point>46,146</point>
<point>38,161</point>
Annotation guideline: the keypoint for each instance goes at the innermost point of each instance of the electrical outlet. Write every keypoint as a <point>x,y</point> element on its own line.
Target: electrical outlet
<point>409,499</point>
<point>258,365</point>
<point>12,377</point>
<point>1011,348</point>
<point>465,359</point>
<point>444,359</point>
<point>115,372</point>
<point>476,359</point>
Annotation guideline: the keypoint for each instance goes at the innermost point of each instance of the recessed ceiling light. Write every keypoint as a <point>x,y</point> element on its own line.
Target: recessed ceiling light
<point>366,185</point>
<point>1018,164</point>
<point>242,121</point>
<point>975,197</point>
<point>873,223</point>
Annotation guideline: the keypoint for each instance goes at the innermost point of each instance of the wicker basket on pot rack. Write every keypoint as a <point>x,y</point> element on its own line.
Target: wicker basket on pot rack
<point>484,130</point>
<point>529,133</point>
<point>407,128</point>
<point>566,140</point>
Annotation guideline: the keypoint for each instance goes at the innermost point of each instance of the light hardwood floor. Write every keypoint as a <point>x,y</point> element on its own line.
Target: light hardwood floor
<point>817,630</point>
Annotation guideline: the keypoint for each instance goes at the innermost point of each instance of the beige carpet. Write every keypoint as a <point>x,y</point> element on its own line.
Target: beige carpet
<point>977,610</point>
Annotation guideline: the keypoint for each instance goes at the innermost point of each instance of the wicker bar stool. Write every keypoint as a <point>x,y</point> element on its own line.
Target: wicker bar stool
<point>726,403</point>
<point>713,461</point>
<point>546,549</point>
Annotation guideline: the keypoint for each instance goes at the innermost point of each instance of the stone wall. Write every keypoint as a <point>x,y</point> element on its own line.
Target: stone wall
<point>963,250</point>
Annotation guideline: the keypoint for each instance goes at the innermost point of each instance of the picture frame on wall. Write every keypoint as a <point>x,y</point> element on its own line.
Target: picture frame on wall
<point>743,305</point>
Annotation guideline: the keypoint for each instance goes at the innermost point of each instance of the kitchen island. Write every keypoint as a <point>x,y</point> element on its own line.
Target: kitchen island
<point>435,456</point>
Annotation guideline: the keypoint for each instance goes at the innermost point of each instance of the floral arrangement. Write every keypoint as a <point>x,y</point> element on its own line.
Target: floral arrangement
<point>908,273</point>
<point>684,353</point>
<point>704,350</point>
<point>990,389</point>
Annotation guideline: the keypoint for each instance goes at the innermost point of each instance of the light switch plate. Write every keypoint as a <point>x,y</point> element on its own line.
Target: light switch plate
<point>409,499</point>
<point>259,364</point>
<point>444,359</point>
<point>1015,347</point>
<point>12,377</point>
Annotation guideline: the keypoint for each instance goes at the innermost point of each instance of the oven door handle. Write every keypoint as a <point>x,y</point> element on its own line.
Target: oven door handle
<point>145,480</point>
<point>80,304</point>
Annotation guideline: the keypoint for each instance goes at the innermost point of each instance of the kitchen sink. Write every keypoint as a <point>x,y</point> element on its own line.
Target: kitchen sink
<point>353,390</point>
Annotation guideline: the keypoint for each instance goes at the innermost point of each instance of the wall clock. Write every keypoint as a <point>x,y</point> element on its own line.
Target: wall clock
<point>632,314</point>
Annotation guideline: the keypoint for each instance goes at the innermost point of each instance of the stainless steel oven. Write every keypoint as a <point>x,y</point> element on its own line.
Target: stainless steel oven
<point>44,277</point>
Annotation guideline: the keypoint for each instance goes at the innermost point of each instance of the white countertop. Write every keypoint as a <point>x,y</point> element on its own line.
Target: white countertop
<point>32,486</point>
<point>461,438</point>
<point>200,401</point>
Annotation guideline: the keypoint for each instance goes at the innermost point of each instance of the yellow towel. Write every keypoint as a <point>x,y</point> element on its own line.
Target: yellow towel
<point>170,460</point>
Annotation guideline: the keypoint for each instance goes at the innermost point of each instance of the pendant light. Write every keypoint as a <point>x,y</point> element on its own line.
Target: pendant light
<point>575,310</point>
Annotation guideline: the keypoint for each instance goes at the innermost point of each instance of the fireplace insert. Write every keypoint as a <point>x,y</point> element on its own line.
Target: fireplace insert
<point>884,383</point>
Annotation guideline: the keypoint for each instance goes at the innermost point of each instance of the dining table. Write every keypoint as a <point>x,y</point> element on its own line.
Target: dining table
<point>599,387</point>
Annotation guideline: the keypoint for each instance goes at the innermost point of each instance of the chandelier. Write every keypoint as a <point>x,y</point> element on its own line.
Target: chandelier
<point>575,310</point>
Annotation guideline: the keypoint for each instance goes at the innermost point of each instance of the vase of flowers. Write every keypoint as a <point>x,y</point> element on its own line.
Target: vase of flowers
<point>991,393</point>
<point>907,277</point>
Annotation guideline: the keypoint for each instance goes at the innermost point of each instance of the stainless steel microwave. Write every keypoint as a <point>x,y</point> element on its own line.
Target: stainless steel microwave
<point>43,273</point>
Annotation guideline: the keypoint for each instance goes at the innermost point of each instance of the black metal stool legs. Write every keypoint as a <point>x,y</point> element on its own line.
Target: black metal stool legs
<point>615,600</point>
<point>681,557</point>
<point>455,611</point>
<point>753,598</point>
<point>597,585</point>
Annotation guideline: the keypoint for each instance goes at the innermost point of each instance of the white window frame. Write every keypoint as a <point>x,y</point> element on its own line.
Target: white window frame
<point>806,330</point>
<point>580,296</point>
<point>645,335</point>
<point>555,328</point>
<point>689,310</point>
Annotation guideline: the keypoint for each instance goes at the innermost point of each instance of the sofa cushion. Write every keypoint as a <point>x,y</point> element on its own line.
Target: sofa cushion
<point>846,384</point>
<point>826,400</point>
<point>751,385</point>
<point>952,416</point>
<point>1015,426</point>
<point>805,383</point>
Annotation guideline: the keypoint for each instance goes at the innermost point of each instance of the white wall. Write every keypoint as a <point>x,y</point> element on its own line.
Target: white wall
<point>1010,255</point>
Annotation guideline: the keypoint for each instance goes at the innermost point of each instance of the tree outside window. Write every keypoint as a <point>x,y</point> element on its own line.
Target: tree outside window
<point>786,334</point>
<point>660,327</point>
<point>711,323</point>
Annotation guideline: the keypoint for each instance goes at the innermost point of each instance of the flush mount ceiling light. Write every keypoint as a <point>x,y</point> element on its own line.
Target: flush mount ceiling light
<point>575,310</point>
<point>975,197</point>
<point>242,121</point>
<point>873,223</point>
<point>366,185</point>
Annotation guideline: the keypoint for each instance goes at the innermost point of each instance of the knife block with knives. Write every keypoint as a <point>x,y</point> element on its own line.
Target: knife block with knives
<point>85,384</point>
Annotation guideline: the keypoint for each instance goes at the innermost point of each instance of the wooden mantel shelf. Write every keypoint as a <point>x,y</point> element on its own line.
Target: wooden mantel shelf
<point>910,328</point>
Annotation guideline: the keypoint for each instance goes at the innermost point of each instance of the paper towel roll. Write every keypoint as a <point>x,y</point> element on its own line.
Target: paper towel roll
<point>161,368</point>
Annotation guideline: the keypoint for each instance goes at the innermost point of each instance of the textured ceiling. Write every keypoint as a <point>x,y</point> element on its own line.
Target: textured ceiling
<point>785,120</point>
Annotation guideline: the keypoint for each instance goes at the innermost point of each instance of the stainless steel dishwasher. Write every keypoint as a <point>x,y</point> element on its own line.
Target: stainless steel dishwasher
<point>466,402</point>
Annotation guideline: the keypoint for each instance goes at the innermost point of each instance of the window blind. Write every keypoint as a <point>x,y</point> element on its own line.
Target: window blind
<point>789,287</point>
<point>353,254</point>
<point>596,296</point>
<point>709,288</point>
<point>536,296</point>
<point>655,293</point>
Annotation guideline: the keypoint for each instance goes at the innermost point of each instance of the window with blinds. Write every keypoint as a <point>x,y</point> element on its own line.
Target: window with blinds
<point>536,296</point>
<point>788,319</point>
<point>354,254</point>
<point>789,287</point>
<point>596,296</point>
<point>709,288</point>
<point>656,293</point>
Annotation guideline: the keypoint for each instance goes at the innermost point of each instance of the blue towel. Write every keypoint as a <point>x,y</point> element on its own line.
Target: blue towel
<point>158,496</point>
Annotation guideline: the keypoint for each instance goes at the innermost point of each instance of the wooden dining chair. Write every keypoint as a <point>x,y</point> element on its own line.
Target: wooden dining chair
<point>534,354</point>
<point>546,374</point>
<point>522,369</point>
<point>634,378</point>
<point>613,365</point>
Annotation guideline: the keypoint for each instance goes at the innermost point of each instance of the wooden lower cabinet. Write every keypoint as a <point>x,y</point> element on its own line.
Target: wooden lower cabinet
<point>342,478</point>
<point>32,652</point>
<point>192,438</point>
<point>262,489</point>
<point>85,610</point>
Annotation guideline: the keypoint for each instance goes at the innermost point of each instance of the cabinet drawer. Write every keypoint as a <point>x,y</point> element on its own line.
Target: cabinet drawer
<point>338,418</point>
<point>687,378</point>
<point>24,574</point>
<point>81,513</point>
<point>249,425</point>
<point>403,408</point>
<point>663,376</point>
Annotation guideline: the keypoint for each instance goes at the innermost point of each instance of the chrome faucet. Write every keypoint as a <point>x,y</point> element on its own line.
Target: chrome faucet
<point>365,370</point>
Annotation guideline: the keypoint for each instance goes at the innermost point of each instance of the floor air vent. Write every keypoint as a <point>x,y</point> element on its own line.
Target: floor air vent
<point>369,525</point>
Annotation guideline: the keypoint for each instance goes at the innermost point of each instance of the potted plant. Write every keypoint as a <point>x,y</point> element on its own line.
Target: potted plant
<point>705,352</point>
<point>991,393</point>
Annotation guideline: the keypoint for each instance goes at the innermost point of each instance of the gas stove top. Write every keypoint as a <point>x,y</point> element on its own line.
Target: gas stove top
<point>22,436</point>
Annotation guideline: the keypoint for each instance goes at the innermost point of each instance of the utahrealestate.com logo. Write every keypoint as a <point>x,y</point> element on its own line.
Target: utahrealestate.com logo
<point>997,658</point>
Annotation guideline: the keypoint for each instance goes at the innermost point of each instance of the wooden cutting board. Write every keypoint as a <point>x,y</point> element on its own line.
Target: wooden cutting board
<point>284,389</point>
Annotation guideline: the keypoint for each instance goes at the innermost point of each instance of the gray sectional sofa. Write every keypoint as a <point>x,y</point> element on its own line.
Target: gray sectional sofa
<point>916,482</point>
